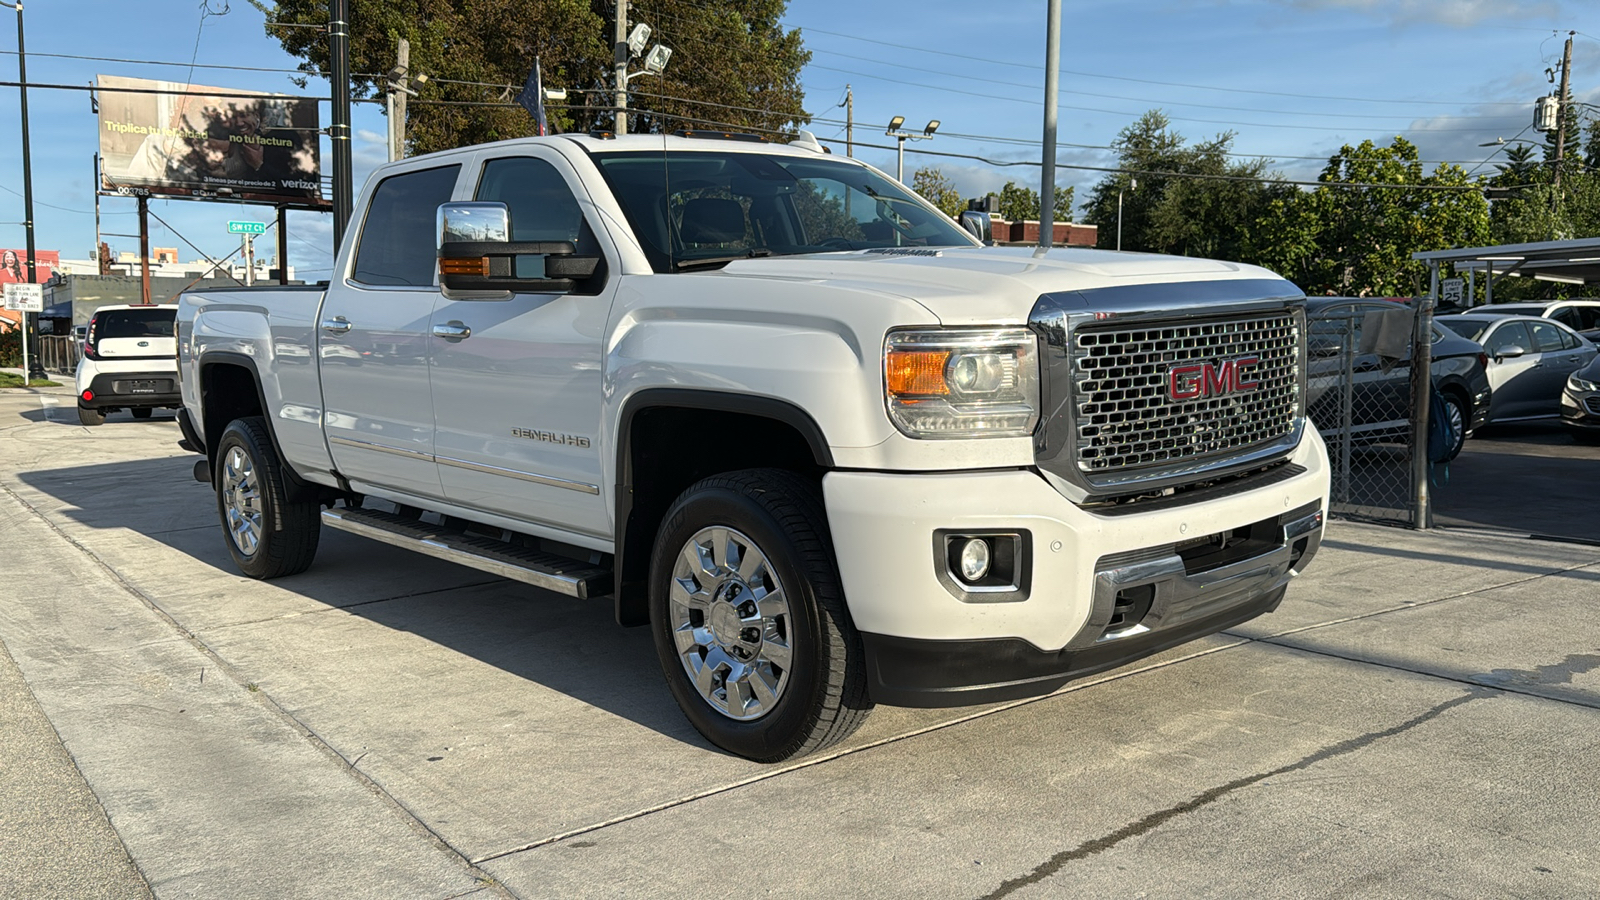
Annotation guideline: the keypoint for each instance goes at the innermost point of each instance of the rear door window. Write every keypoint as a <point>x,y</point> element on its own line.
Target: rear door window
<point>1546,337</point>
<point>399,244</point>
<point>1511,334</point>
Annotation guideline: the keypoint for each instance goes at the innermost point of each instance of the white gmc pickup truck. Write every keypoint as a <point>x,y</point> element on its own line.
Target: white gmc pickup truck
<point>832,449</point>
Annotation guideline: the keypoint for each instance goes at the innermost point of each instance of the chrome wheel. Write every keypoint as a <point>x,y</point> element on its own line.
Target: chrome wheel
<point>730,623</point>
<point>241,501</point>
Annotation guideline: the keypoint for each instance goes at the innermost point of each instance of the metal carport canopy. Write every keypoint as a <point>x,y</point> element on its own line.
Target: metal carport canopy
<point>1570,262</point>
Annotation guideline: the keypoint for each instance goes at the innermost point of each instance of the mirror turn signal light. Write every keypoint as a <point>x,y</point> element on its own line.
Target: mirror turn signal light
<point>470,265</point>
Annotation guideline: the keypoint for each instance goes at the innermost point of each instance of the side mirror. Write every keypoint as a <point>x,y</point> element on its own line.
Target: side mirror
<point>979,225</point>
<point>479,261</point>
<point>1511,352</point>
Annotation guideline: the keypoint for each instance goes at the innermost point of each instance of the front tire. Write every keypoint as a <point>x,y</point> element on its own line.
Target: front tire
<point>1456,408</point>
<point>749,617</point>
<point>267,534</point>
<point>91,417</point>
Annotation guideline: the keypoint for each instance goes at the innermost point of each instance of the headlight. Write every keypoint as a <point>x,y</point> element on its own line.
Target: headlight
<point>947,383</point>
<point>1574,383</point>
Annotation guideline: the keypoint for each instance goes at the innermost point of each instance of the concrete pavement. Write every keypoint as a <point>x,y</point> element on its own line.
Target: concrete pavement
<point>1417,719</point>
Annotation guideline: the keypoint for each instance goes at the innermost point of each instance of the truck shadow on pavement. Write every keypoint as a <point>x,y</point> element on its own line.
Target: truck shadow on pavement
<point>567,645</point>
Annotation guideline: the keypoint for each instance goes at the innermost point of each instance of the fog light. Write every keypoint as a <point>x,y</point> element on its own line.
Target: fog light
<point>974,560</point>
<point>88,396</point>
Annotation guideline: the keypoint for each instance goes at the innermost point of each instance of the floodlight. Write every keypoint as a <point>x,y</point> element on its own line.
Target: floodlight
<point>657,60</point>
<point>638,38</point>
<point>895,123</point>
<point>933,125</point>
<point>555,95</point>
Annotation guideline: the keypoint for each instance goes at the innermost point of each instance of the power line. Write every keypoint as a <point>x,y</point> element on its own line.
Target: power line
<point>1112,112</point>
<point>1249,109</point>
<point>1150,173</point>
<point>1203,87</point>
<point>154,62</point>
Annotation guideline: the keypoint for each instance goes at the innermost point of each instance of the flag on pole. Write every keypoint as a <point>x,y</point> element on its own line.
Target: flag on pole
<point>532,98</point>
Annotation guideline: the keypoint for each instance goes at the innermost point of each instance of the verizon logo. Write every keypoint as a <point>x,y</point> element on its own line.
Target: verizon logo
<point>1213,379</point>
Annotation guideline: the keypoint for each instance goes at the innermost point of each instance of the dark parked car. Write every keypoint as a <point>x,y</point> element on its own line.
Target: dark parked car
<point>1580,403</point>
<point>1380,402</point>
<point>1529,361</point>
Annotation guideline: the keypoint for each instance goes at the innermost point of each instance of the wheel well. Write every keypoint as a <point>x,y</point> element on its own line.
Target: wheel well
<point>664,450</point>
<point>227,392</point>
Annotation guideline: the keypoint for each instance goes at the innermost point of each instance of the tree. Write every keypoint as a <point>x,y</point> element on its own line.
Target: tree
<point>1021,204</point>
<point>734,67</point>
<point>1363,235</point>
<point>1191,200</point>
<point>931,183</point>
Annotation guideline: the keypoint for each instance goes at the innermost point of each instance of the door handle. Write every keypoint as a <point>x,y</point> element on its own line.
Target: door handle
<point>452,331</point>
<point>336,325</point>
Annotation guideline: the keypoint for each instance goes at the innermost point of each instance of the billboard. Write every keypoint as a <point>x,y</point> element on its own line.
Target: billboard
<point>14,270</point>
<point>242,145</point>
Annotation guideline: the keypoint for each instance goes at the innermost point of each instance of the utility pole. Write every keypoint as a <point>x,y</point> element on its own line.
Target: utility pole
<point>1561,116</point>
<point>849,125</point>
<point>622,57</point>
<point>249,260</point>
<point>96,189</point>
<point>144,250</point>
<point>339,131</point>
<point>30,321</point>
<point>1052,80</point>
<point>397,101</point>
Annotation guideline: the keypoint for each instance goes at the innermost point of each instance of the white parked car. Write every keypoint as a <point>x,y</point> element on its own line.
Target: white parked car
<point>129,362</point>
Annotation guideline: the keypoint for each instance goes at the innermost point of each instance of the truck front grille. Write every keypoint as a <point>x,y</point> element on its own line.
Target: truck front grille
<point>1127,414</point>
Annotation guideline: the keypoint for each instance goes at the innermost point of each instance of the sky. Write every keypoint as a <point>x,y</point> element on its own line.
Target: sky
<point>1294,80</point>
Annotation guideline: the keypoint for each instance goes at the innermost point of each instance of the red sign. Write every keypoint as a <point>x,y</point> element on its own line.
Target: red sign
<point>14,266</point>
<point>14,270</point>
<point>1212,379</point>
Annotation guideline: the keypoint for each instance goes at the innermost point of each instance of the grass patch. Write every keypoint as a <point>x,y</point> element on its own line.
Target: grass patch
<point>9,380</point>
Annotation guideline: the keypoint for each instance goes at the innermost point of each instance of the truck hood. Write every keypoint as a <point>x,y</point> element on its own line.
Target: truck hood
<point>985,285</point>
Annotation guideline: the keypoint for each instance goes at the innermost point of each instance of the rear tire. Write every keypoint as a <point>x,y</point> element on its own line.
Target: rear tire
<point>749,618</point>
<point>87,416</point>
<point>267,534</point>
<point>142,412</point>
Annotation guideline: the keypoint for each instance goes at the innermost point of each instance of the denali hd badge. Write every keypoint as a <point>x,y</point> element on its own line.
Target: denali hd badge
<point>1213,379</point>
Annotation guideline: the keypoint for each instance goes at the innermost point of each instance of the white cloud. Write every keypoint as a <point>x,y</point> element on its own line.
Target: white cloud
<point>1455,13</point>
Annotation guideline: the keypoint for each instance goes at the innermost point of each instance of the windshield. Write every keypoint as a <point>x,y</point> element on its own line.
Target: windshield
<point>1471,329</point>
<point>697,209</point>
<point>157,321</point>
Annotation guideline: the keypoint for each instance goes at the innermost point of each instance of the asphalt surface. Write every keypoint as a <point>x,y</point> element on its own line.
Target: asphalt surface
<point>1417,719</point>
<point>1525,478</point>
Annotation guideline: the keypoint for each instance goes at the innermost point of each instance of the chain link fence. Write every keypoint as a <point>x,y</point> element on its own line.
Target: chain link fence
<point>1360,398</point>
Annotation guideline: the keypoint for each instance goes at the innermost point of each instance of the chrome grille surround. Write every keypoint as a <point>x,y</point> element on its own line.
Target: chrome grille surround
<point>1125,417</point>
<point>1111,427</point>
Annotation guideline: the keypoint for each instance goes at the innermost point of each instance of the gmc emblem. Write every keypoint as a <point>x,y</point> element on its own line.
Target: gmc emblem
<point>1212,379</point>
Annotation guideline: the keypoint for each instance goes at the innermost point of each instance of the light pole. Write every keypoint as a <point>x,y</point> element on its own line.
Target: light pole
<point>1133,186</point>
<point>30,320</point>
<point>903,136</point>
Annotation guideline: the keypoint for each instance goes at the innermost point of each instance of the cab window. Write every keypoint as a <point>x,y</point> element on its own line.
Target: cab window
<point>399,245</point>
<point>542,207</point>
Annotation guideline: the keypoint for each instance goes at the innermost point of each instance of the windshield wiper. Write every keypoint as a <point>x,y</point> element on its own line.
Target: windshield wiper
<point>678,265</point>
